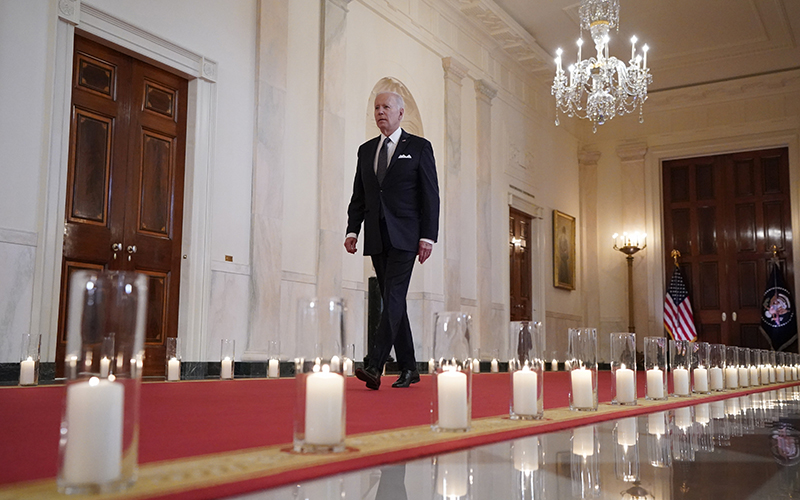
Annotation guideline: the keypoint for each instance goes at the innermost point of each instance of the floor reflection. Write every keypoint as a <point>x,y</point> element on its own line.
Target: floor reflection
<point>745,447</point>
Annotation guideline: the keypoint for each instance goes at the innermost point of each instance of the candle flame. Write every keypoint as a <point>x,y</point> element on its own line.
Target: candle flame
<point>94,382</point>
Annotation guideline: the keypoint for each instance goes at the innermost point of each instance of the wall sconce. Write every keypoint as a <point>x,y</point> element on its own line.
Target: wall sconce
<point>518,242</point>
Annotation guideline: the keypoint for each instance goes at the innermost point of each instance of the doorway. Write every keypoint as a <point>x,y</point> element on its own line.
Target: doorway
<point>124,204</point>
<point>725,214</point>
<point>519,249</point>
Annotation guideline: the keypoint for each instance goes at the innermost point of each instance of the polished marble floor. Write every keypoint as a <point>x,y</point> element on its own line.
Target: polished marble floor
<point>740,448</point>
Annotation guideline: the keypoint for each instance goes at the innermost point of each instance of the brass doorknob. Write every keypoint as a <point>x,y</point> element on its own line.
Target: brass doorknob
<point>131,248</point>
<point>116,247</point>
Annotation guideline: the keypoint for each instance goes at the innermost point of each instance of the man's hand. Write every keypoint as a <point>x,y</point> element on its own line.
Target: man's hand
<point>424,251</point>
<point>350,245</point>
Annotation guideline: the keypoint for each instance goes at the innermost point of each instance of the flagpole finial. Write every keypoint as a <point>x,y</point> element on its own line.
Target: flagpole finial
<point>675,255</point>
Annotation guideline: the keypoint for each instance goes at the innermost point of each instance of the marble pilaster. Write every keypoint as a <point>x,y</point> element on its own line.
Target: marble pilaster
<point>633,219</point>
<point>484,93</point>
<point>268,178</point>
<point>331,149</point>
<point>454,73</point>
<point>589,283</point>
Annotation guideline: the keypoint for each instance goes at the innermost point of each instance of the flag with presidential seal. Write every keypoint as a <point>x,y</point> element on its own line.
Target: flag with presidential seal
<point>778,320</point>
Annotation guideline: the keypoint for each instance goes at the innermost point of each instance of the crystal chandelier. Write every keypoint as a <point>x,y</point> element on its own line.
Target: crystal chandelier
<point>599,88</point>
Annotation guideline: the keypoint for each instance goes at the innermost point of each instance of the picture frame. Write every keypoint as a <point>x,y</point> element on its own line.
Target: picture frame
<point>563,250</point>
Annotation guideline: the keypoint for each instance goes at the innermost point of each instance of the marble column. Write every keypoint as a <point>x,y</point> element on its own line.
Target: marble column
<point>484,93</point>
<point>454,73</point>
<point>268,178</point>
<point>633,219</point>
<point>589,262</point>
<point>331,148</point>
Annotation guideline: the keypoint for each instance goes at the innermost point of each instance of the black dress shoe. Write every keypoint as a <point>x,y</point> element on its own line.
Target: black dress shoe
<point>406,378</point>
<point>369,375</point>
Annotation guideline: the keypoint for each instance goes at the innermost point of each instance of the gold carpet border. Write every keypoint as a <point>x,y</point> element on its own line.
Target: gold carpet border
<point>183,475</point>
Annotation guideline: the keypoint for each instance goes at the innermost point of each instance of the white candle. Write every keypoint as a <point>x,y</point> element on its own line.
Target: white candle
<point>655,383</point>
<point>764,375</point>
<point>93,452</point>
<point>582,388</point>
<point>772,375</point>
<point>583,441</point>
<point>476,366</point>
<point>715,374</point>
<point>554,365</point>
<point>173,369</point>
<point>680,381</point>
<point>701,413</point>
<point>794,373</point>
<point>27,369</point>
<point>627,431</point>
<point>495,366</point>
<point>717,409</point>
<point>780,374</point>
<point>348,367</point>
<point>626,388</point>
<point>656,424</point>
<point>753,375</point>
<point>431,365</point>
<point>226,368</point>
<point>526,454</point>
<point>700,380</point>
<point>324,400</point>
<point>731,377</point>
<point>526,400</point>
<point>273,368</point>
<point>683,417</point>
<point>744,376</point>
<point>452,475</point>
<point>452,394</point>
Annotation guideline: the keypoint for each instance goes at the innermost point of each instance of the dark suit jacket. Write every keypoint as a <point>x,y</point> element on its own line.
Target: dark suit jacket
<point>408,198</point>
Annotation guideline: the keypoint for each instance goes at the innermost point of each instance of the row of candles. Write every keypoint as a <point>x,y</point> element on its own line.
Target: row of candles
<point>657,440</point>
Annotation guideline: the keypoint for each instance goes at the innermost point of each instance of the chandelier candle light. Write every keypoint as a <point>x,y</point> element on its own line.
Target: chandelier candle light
<point>601,87</point>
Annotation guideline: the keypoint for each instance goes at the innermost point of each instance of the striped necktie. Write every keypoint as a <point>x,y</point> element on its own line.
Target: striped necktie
<point>383,160</point>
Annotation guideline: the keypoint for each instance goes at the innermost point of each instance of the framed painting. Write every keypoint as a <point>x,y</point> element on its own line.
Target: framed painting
<point>563,250</point>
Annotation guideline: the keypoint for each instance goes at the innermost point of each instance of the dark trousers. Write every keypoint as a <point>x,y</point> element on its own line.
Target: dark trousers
<point>393,269</point>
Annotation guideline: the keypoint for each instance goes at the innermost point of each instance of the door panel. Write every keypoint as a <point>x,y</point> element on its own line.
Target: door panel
<point>519,225</point>
<point>732,209</point>
<point>125,182</point>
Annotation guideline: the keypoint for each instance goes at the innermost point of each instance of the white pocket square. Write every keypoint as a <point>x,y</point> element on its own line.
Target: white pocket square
<point>404,156</point>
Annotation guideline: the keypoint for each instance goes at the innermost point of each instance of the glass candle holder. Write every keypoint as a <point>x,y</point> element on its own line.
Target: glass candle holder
<point>744,366</point>
<point>494,366</point>
<point>584,463</point>
<point>716,367</point>
<point>350,360</point>
<point>107,355</point>
<point>763,367</point>
<point>526,371</point>
<point>623,368</point>
<point>227,357</point>
<point>452,380</point>
<point>451,476</point>
<point>98,449</point>
<point>780,367</point>
<point>701,354</point>
<point>731,367</point>
<point>626,451</point>
<point>274,361</point>
<point>655,365</point>
<point>753,367</point>
<point>29,359</point>
<point>772,364</point>
<point>476,361</point>
<point>527,454</point>
<point>680,364</point>
<point>554,361</point>
<point>173,359</point>
<point>583,369</point>
<point>319,416</point>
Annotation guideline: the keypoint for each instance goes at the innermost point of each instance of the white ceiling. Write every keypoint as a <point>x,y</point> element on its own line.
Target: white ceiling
<point>691,41</point>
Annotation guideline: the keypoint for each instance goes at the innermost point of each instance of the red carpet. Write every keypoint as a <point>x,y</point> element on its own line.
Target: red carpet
<point>180,420</point>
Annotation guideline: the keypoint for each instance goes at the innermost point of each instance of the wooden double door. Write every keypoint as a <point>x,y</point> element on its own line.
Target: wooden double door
<point>519,250</point>
<point>124,204</point>
<point>724,214</point>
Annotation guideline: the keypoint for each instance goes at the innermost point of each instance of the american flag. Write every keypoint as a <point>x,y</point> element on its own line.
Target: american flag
<point>678,317</point>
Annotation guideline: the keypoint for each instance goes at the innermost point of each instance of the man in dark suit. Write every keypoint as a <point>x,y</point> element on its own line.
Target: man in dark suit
<point>396,196</point>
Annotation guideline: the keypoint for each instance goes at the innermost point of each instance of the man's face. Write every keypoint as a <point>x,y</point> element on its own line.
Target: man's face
<point>388,113</point>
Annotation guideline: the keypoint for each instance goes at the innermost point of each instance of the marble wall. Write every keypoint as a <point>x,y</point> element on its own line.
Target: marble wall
<point>17,254</point>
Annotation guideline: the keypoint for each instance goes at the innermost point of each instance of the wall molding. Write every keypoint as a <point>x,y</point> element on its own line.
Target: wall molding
<point>17,237</point>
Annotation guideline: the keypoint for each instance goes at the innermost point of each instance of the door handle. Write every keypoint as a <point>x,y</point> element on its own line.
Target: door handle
<point>131,251</point>
<point>116,247</point>
<point>733,316</point>
<point>724,317</point>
